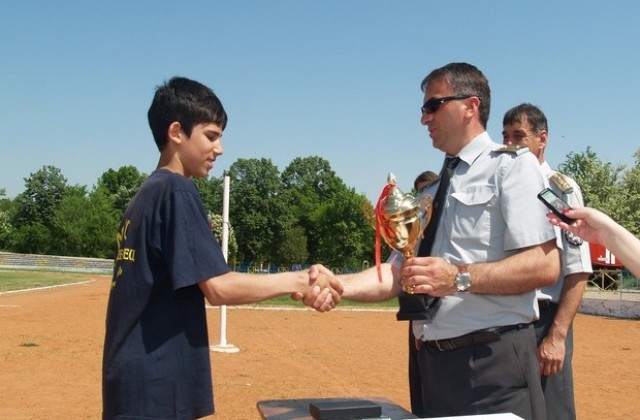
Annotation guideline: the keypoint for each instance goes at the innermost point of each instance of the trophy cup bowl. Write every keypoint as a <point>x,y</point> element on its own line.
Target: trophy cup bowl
<point>401,229</point>
<point>401,218</point>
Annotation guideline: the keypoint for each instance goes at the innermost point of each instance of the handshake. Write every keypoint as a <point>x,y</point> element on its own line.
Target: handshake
<point>323,291</point>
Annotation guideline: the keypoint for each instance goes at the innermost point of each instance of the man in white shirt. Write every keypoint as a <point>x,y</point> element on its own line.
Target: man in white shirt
<point>526,125</point>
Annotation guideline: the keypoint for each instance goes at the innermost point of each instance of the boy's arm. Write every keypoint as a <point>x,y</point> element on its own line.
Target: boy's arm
<point>235,288</point>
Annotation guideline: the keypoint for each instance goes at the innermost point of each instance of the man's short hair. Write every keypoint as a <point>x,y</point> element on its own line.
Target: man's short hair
<point>535,117</point>
<point>464,79</point>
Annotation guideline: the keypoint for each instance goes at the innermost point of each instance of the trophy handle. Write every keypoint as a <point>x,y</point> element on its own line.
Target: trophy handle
<point>424,204</point>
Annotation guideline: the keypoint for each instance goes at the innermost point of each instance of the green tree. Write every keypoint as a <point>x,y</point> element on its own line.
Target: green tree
<point>35,209</point>
<point>85,225</point>
<point>5,230</point>
<point>293,249</point>
<point>32,238</point>
<point>311,183</point>
<point>44,190</point>
<point>120,186</point>
<point>345,236</point>
<point>66,224</point>
<point>5,220</point>
<point>211,193</point>
<point>259,209</point>
<point>631,197</point>
<point>600,182</point>
<point>217,227</point>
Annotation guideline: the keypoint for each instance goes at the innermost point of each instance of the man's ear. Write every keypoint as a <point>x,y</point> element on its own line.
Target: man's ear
<point>475,101</point>
<point>175,133</point>
<point>543,138</point>
<point>472,104</point>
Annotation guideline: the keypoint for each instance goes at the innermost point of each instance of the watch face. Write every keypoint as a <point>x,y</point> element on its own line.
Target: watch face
<point>463,281</point>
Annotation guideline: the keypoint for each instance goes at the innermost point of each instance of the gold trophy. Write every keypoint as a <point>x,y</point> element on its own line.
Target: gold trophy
<point>400,221</point>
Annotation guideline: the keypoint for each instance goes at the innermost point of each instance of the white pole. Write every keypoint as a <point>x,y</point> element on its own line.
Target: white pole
<point>223,346</point>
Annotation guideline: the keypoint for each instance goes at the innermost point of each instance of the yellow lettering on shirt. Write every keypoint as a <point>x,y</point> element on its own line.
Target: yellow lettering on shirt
<point>122,233</point>
<point>124,254</point>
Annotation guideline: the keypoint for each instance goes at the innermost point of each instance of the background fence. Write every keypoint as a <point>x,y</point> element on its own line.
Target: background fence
<point>97,265</point>
<point>54,262</point>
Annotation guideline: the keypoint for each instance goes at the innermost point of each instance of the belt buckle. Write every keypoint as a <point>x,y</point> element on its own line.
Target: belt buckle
<point>439,347</point>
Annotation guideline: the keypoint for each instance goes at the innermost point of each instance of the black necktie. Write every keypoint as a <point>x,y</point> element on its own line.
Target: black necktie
<point>424,307</point>
<point>450,164</point>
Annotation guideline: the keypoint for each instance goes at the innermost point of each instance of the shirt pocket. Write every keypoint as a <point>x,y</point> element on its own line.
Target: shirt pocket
<point>474,207</point>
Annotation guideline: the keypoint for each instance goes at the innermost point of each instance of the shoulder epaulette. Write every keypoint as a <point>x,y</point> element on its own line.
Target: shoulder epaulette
<point>562,182</point>
<point>514,149</point>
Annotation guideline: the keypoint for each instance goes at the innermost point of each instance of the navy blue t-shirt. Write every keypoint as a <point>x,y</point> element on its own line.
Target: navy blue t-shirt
<point>156,353</point>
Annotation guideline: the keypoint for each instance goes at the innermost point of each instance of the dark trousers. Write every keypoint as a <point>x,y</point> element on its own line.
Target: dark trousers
<point>415,385</point>
<point>484,378</point>
<point>558,388</point>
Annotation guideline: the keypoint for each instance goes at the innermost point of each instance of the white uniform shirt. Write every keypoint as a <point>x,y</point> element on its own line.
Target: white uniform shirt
<point>490,213</point>
<point>574,253</point>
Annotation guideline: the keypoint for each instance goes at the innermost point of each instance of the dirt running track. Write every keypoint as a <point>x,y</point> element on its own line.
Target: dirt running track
<point>51,349</point>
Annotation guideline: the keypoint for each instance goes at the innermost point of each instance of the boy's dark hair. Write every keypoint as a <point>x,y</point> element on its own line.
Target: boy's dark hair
<point>186,101</point>
<point>464,79</point>
<point>535,117</point>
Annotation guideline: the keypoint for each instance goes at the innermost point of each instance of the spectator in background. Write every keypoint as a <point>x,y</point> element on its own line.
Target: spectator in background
<point>526,125</point>
<point>424,180</point>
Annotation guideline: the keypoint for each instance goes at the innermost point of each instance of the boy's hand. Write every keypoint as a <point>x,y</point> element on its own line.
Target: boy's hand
<point>324,290</point>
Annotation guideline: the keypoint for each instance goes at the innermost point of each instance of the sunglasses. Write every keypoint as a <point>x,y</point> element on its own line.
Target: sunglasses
<point>434,104</point>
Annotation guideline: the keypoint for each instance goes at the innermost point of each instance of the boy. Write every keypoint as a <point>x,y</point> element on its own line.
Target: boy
<point>156,353</point>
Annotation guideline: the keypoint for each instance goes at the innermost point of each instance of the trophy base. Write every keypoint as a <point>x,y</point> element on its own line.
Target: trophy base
<point>417,307</point>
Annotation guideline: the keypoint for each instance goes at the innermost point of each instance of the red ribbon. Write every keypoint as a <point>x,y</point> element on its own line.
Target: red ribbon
<point>381,225</point>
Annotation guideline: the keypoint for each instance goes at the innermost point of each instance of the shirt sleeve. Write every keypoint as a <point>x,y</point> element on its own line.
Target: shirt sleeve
<point>576,255</point>
<point>192,251</point>
<point>524,214</point>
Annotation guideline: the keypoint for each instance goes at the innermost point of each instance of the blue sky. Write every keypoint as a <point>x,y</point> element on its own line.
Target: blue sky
<point>333,78</point>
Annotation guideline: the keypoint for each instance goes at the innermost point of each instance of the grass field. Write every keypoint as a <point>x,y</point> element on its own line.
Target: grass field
<point>12,280</point>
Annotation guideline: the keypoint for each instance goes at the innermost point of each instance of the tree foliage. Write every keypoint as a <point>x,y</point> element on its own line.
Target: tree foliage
<point>293,249</point>
<point>345,237</point>
<point>120,186</point>
<point>631,191</point>
<point>85,225</point>
<point>44,190</point>
<point>304,215</point>
<point>211,193</point>
<point>260,207</point>
<point>6,228</point>
<point>312,184</point>
<point>607,187</point>
<point>217,227</point>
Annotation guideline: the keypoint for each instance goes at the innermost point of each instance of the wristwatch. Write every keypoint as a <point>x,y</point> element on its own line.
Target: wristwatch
<point>463,279</point>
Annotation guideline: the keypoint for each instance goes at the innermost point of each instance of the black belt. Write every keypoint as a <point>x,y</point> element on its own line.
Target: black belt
<point>546,305</point>
<point>488,335</point>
